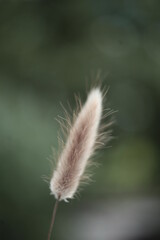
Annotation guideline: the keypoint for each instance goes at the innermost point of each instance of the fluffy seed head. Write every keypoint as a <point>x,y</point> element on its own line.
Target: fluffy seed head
<point>78,149</point>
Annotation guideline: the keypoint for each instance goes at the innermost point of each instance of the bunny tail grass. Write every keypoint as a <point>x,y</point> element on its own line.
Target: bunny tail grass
<point>81,142</point>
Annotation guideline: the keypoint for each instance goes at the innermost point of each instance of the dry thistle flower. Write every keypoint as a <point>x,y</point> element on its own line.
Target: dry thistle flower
<point>80,146</point>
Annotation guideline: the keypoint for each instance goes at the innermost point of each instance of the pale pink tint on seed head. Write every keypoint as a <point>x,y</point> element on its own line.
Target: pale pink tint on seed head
<point>78,149</point>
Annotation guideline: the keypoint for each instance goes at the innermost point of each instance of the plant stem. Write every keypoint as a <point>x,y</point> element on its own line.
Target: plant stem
<point>53,219</point>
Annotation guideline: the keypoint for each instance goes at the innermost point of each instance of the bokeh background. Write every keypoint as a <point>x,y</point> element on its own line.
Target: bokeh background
<point>50,50</point>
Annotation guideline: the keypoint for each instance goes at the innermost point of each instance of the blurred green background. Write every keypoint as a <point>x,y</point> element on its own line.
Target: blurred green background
<point>50,50</point>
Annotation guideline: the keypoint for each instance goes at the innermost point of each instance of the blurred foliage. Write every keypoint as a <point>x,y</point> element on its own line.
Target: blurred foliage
<point>51,50</point>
